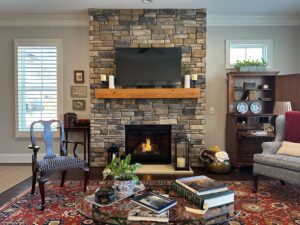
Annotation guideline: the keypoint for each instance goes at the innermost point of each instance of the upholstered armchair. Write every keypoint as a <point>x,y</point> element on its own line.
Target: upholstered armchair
<point>52,162</point>
<point>278,166</point>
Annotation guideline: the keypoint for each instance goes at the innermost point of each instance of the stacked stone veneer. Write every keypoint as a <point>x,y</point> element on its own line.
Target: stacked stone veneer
<point>185,28</point>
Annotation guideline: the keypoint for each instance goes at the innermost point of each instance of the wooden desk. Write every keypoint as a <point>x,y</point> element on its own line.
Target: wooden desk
<point>86,139</point>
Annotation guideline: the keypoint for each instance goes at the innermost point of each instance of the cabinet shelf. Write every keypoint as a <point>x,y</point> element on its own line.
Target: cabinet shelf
<point>258,89</point>
<point>252,114</point>
<point>258,100</point>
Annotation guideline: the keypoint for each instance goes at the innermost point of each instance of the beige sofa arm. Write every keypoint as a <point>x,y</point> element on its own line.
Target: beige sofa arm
<point>271,147</point>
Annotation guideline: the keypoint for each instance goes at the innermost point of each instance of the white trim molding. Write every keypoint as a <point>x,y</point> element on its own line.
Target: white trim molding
<point>44,20</point>
<point>223,21</point>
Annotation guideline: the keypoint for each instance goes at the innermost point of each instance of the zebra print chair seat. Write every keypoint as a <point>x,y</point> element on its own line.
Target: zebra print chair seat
<point>52,162</point>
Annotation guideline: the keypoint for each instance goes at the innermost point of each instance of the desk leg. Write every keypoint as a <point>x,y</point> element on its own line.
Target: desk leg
<point>84,147</point>
<point>88,146</point>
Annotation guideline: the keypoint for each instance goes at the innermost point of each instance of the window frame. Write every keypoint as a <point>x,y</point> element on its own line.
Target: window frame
<point>31,43</point>
<point>268,44</point>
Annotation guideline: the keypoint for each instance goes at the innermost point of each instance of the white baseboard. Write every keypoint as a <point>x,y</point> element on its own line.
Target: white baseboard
<point>21,158</point>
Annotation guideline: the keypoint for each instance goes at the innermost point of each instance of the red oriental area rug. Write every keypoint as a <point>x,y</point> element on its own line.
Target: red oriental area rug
<point>274,204</point>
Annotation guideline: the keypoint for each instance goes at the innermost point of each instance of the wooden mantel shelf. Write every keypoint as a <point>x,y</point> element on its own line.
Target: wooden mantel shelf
<point>147,93</point>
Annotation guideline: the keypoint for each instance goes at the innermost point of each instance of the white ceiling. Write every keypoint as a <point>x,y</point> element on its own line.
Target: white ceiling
<point>214,7</point>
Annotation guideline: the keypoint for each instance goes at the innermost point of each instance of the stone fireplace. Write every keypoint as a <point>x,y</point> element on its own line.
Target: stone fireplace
<point>148,144</point>
<point>146,28</point>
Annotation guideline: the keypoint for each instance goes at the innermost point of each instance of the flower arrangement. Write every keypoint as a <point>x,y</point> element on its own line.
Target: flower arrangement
<point>121,169</point>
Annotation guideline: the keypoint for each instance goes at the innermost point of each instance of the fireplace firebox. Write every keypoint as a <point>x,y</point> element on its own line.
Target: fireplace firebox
<point>148,144</point>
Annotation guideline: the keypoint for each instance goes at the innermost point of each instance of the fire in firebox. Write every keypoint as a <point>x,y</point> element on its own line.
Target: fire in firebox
<point>146,146</point>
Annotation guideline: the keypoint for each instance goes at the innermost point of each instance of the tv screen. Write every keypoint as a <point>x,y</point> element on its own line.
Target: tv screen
<point>148,67</point>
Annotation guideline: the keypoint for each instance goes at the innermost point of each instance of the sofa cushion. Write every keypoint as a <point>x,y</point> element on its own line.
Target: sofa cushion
<point>292,126</point>
<point>276,160</point>
<point>289,148</point>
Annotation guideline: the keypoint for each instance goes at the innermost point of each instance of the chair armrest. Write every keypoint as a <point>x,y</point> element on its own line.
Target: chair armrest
<point>271,147</point>
<point>34,147</point>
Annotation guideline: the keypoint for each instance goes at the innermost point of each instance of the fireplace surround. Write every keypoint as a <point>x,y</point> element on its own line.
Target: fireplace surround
<point>145,28</point>
<point>148,144</point>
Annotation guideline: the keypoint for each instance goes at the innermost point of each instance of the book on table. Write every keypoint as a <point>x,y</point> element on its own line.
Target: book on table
<point>143,214</point>
<point>202,185</point>
<point>204,201</point>
<point>154,202</point>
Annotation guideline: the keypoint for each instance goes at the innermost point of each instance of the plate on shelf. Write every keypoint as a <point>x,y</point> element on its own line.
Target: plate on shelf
<point>256,107</point>
<point>242,107</point>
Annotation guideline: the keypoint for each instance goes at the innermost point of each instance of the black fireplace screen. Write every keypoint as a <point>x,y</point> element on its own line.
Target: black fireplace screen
<point>148,144</point>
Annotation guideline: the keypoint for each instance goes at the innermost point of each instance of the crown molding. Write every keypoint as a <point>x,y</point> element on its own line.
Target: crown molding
<point>83,20</point>
<point>44,20</point>
<point>225,21</point>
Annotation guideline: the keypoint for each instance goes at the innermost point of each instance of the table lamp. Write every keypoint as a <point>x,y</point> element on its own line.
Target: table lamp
<point>281,108</point>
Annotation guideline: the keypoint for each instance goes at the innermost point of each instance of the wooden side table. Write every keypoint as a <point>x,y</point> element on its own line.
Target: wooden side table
<point>86,139</point>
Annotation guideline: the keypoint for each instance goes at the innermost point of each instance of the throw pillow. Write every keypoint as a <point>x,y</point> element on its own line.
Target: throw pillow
<point>289,148</point>
<point>292,126</point>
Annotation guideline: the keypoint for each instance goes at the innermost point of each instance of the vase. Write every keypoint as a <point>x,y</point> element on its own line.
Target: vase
<point>123,187</point>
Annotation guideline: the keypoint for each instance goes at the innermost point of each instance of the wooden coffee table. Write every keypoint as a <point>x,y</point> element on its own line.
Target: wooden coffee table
<point>118,212</point>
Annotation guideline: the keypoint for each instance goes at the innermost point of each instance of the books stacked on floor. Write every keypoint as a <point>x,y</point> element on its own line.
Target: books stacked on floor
<point>152,207</point>
<point>203,191</point>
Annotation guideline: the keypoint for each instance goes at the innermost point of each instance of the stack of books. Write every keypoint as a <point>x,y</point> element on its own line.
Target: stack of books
<point>152,207</point>
<point>203,192</point>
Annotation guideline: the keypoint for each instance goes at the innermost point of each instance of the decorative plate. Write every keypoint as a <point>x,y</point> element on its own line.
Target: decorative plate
<point>255,107</point>
<point>242,107</point>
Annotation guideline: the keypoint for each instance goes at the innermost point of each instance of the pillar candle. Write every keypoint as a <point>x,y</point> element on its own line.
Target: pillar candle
<point>194,77</point>
<point>181,162</point>
<point>111,82</point>
<point>103,77</point>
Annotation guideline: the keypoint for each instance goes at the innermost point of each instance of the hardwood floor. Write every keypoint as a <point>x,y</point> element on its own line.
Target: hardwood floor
<point>96,173</point>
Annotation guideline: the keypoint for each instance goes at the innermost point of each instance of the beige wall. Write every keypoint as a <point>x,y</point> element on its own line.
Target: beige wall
<point>75,57</point>
<point>286,60</point>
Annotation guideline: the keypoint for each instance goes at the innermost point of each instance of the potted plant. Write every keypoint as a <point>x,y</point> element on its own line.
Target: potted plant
<point>251,65</point>
<point>123,173</point>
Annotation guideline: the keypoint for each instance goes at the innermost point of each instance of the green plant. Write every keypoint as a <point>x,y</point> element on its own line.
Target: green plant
<point>249,62</point>
<point>122,169</point>
<point>186,69</point>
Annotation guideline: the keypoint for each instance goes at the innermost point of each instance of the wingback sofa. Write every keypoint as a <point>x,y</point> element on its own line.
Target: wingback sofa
<point>268,163</point>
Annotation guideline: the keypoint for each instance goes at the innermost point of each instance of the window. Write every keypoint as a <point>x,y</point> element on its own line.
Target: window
<point>250,50</point>
<point>38,82</point>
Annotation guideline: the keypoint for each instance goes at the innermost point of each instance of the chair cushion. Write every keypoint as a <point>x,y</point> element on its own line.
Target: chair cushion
<point>292,126</point>
<point>289,148</point>
<point>276,160</point>
<point>60,163</point>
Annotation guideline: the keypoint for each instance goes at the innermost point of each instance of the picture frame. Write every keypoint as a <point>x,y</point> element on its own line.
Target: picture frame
<point>78,105</point>
<point>78,91</point>
<point>78,76</point>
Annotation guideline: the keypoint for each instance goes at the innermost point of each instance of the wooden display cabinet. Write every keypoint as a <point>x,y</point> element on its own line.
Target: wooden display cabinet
<point>244,130</point>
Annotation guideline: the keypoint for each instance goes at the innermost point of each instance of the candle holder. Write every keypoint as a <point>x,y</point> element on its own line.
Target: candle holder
<point>182,149</point>
<point>112,152</point>
<point>194,78</point>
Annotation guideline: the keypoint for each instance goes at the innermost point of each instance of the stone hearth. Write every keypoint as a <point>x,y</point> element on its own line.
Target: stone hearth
<point>185,28</point>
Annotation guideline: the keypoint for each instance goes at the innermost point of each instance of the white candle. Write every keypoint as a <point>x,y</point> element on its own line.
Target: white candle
<point>111,82</point>
<point>187,81</point>
<point>180,162</point>
<point>103,77</point>
<point>113,156</point>
<point>194,77</point>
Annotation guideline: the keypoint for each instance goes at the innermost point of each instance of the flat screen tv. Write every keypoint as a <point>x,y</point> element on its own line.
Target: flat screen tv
<point>142,67</point>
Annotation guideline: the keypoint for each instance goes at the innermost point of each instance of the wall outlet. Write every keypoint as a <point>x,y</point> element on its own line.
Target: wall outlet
<point>212,110</point>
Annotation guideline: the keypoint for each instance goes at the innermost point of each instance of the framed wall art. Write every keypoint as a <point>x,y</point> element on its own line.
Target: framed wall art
<point>78,105</point>
<point>78,91</point>
<point>79,76</point>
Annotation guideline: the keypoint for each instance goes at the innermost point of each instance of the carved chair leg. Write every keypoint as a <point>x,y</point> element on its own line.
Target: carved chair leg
<point>282,182</point>
<point>255,183</point>
<point>63,178</point>
<point>42,180</point>
<point>33,182</point>
<point>86,178</point>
